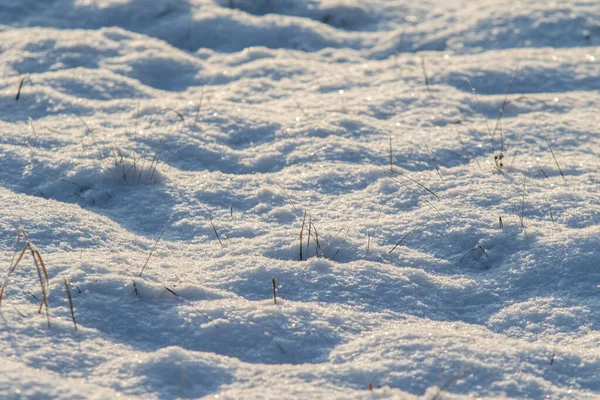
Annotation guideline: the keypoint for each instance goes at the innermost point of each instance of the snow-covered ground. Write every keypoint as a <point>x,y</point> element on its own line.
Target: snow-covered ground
<point>208,145</point>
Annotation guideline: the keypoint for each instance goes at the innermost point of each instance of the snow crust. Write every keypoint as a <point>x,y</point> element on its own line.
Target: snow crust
<point>235,125</point>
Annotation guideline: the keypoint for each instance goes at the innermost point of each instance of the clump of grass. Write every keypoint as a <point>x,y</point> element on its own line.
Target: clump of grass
<point>129,165</point>
<point>40,267</point>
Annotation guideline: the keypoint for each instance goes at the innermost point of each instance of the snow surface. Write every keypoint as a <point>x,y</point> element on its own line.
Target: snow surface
<point>234,118</point>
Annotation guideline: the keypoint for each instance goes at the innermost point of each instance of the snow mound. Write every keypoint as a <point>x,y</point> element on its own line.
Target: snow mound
<point>299,199</point>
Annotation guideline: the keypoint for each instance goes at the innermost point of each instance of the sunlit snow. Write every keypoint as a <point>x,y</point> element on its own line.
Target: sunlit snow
<point>418,179</point>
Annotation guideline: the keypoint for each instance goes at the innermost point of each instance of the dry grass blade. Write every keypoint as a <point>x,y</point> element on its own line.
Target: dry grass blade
<point>216,233</point>
<point>13,264</point>
<point>36,255</point>
<point>11,270</point>
<point>541,169</point>
<point>198,110</point>
<point>436,166</point>
<point>342,244</point>
<point>487,125</point>
<point>403,237</point>
<point>287,196</point>
<point>93,136</point>
<point>478,247</point>
<point>318,246</point>
<point>550,210</point>
<point>301,232</point>
<point>18,312</point>
<point>194,307</point>
<point>335,236</point>
<point>309,235</point>
<point>301,109</point>
<point>424,70</point>
<point>176,112</point>
<point>501,111</point>
<point>516,152</point>
<point>19,233</point>
<point>70,302</point>
<point>155,243</point>
<point>155,159</point>
<point>556,161</point>
<point>399,49</point>
<point>39,266</point>
<point>274,290</point>
<point>21,82</point>
<point>316,238</point>
<point>416,182</point>
<point>431,205</point>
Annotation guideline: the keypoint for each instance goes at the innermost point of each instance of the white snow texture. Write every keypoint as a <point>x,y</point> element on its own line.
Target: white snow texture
<point>419,180</point>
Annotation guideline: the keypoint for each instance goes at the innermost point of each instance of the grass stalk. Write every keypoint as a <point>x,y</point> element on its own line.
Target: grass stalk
<point>154,247</point>
<point>556,162</point>
<point>402,240</point>
<point>70,303</point>
<point>301,233</point>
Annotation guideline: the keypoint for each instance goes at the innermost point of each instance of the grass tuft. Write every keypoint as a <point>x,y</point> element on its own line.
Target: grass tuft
<point>40,267</point>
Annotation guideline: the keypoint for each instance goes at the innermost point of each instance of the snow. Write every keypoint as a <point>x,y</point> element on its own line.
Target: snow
<point>167,157</point>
